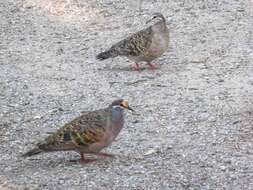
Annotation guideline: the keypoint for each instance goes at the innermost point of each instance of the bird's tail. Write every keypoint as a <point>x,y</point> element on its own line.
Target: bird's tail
<point>105,55</point>
<point>32,152</point>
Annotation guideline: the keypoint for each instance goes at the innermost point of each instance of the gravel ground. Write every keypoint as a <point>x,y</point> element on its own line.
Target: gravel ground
<point>194,128</point>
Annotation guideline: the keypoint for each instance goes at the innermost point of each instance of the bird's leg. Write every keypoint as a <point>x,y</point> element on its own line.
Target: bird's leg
<point>82,159</point>
<point>153,67</point>
<point>106,154</point>
<point>85,160</point>
<point>136,67</point>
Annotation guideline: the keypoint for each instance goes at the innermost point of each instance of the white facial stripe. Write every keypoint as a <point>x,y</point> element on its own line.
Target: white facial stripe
<point>117,106</point>
<point>158,18</point>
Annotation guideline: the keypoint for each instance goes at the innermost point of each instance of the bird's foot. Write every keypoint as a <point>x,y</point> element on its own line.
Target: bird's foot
<point>153,67</point>
<point>85,161</point>
<point>82,161</point>
<point>136,67</point>
<point>106,154</point>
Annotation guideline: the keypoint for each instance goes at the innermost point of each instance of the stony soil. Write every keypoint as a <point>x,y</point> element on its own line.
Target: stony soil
<point>194,127</point>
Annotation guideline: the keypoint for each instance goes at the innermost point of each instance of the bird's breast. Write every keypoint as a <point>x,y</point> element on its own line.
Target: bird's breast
<point>117,122</point>
<point>159,44</point>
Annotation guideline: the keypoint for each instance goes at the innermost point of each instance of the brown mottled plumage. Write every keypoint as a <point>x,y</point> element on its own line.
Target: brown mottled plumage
<point>145,45</point>
<point>89,133</point>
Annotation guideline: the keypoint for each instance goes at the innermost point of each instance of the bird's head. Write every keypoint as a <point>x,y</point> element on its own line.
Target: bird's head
<point>156,17</point>
<point>122,104</point>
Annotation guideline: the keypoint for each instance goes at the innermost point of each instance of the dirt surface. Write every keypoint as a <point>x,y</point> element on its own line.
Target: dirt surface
<point>195,124</point>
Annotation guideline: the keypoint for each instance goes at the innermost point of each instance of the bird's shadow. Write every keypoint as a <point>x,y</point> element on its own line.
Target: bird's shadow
<point>43,163</point>
<point>126,68</point>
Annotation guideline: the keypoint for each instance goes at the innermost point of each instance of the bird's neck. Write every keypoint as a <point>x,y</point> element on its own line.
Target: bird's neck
<point>159,26</point>
<point>117,118</point>
<point>117,113</point>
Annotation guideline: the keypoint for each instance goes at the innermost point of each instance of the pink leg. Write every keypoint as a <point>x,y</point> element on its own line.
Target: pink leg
<point>85,160</point>
<point>105,154</point>
<point>153,67</point>
<point>136,67</point>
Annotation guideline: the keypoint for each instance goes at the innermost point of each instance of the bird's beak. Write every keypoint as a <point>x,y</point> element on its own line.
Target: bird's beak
<point>130,109</point>
<point>149,21</point>
<point>126,105</point>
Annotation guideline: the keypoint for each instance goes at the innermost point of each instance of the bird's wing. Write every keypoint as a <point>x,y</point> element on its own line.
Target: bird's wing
<point>135,45</point>
<point>80,132</point>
